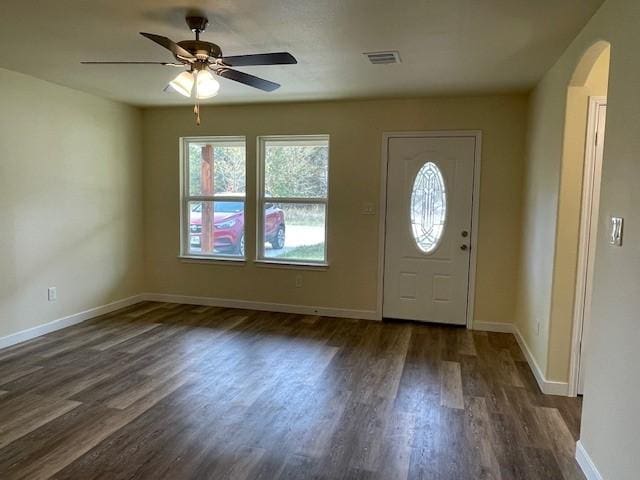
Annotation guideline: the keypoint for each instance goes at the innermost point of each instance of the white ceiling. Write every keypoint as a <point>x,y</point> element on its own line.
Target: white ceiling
<point>447,46</point>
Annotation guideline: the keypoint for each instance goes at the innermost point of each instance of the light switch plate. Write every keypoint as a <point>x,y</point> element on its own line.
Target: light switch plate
<point>615,232</point>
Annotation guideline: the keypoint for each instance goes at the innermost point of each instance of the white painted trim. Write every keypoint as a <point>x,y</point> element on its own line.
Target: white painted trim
<point>548,387</point>
<point>67,321</point>
<point>586,464</point>
<point>591,179</point>
<point>477,135</point>
<point>382,221</point>
<point>263,306</point>
<point>475,229</point>
<point>493,327</point>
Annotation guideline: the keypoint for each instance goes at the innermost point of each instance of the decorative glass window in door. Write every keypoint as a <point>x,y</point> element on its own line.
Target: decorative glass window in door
<point>428,207</point>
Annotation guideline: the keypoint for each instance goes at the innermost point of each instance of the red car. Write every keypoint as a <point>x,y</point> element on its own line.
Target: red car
<point>228,227</point>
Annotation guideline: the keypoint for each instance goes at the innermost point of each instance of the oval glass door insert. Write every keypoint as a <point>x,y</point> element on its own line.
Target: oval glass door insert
<point>428,207</point>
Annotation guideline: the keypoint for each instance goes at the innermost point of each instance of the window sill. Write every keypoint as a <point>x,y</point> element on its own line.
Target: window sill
<point>212,260</point>
<point>292,265</point>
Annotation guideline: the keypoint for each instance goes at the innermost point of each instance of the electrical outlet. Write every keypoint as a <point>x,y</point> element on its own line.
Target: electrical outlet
<point>52,294</point>
<point>298,281</point>
<point>368,208</point>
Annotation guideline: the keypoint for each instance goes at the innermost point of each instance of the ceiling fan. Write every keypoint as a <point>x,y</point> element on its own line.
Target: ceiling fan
<point>203,60</point>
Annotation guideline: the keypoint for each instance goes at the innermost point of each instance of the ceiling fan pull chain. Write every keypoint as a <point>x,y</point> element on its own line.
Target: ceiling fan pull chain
<point>196,110</point>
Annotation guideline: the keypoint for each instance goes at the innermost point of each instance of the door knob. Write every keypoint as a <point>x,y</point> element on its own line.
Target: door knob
<point>464,247</point>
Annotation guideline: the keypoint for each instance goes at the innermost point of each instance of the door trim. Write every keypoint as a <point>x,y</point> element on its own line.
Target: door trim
<point>585,253</point>
<point>475,206</point>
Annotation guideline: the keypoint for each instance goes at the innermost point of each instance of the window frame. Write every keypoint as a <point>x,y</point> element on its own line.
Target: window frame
<point>186,198</point>
<point>261,200</point>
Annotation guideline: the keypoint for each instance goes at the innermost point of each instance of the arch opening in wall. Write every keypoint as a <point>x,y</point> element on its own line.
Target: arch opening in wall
<point>583,147</point>
<point>597,52</point>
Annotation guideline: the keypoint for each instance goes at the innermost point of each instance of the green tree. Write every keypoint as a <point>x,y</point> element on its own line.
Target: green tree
<point>296,171</point>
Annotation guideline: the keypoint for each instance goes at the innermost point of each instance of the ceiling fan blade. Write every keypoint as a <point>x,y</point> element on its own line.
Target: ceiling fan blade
<point>279,58</point>
<point>134,63</point>
<point>169,44</point>
<point>247,79</point>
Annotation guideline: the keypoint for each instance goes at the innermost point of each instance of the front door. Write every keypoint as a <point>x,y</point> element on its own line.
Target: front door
<point>428,228</point>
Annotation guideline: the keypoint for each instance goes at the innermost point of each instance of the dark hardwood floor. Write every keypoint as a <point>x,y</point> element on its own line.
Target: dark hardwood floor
<point>165,391</point>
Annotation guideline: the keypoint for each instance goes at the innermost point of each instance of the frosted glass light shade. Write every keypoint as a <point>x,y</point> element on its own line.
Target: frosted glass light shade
<point>206,85</point>
<point>183,83</point>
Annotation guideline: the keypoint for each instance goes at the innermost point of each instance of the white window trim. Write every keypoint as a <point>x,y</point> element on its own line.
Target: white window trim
<point>310,140</point>
<point>185,198</point>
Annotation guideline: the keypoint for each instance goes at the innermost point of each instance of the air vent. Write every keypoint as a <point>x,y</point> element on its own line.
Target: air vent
<point>383,58</point>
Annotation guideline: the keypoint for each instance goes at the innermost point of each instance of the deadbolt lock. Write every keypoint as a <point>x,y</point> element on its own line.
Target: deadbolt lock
<point>465,233</point>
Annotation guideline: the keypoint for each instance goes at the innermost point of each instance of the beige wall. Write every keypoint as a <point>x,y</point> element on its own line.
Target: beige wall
<point>610,421</point>
<point>540,196</point>
<point>70,201</point>
<point>356,134</point>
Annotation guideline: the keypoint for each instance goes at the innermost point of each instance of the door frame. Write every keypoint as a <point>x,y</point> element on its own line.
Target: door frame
<point>475,207</point>
<point>585,244</point>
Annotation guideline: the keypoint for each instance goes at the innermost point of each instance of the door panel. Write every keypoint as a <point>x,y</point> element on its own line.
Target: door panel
<point>598,152</point>
<point>428,230</point>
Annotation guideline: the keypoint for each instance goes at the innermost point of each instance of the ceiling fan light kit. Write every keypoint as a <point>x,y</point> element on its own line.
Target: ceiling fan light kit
<point>203,60</point>
<point>206,86</point>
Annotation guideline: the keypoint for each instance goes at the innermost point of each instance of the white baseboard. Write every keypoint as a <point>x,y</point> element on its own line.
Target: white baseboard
<point>586,464</point>
<point>76,318</point>
<point>264,306</point>
<point>493,327</point>
<point>67,321</point>
<point>547,386</point>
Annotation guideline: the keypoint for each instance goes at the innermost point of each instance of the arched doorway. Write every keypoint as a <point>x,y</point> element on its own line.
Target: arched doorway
<point>583,147</point>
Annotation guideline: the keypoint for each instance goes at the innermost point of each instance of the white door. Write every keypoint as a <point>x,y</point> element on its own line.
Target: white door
<point>428,228</point>
<point>592,215</point>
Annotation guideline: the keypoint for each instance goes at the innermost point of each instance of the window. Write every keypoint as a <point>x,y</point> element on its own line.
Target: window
<point>293,193</point>
<point>213,197</point>
<point>428,207</point>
